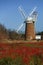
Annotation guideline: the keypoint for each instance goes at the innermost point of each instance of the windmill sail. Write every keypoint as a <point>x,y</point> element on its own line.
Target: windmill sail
<point>32,11</point>
<point>20,27</point>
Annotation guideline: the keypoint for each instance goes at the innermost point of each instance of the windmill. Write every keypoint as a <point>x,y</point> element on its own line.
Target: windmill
<point>30,24</point>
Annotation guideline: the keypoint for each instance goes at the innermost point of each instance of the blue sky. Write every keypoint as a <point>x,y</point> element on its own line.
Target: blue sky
<point>11,18</point>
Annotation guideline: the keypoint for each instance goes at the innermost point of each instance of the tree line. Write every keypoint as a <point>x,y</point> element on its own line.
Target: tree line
<point>12,34</point>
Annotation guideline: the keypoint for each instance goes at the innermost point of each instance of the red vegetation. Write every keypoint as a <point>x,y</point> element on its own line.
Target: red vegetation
<point>23,50</point>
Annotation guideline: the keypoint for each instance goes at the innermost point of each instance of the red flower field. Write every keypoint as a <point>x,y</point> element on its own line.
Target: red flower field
<point>24,50</point>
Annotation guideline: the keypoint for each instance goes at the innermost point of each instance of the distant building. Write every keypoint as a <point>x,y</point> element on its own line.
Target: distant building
<point>38,37</point>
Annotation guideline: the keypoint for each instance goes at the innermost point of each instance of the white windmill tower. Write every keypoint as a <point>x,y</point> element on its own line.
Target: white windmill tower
<point>29,21</point>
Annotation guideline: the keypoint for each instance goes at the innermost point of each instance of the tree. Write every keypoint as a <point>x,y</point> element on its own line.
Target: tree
<point>3,32</point>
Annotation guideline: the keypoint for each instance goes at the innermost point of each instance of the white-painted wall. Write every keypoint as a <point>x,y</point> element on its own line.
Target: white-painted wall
<point>38,37</point>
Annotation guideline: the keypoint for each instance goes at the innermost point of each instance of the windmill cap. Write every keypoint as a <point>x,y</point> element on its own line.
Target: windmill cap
<point>29,19</point>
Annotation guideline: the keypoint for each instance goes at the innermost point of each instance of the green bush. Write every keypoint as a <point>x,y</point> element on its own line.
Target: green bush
<point>36,60</point>
<point>10,61</point>
<point>6,61</point>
